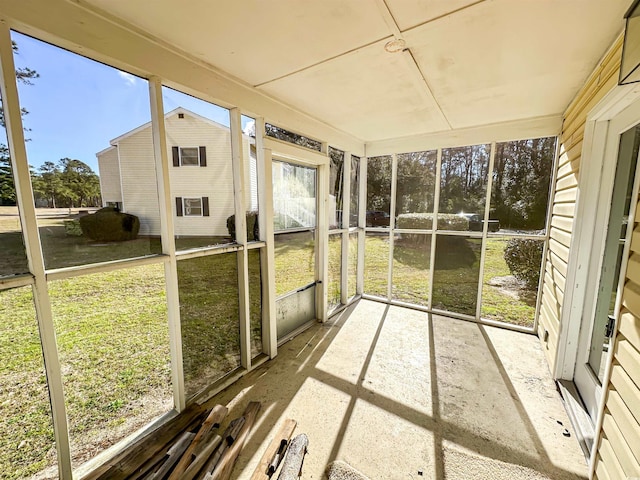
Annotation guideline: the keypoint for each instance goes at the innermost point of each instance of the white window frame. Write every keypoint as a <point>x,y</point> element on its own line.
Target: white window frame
<point>182,164</point>
<point>184,207</point>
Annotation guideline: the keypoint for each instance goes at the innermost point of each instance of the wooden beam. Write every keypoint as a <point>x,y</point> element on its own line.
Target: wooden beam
<point>263,471</point>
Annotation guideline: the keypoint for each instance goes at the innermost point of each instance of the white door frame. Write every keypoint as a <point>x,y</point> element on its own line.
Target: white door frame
<point>593,160</point>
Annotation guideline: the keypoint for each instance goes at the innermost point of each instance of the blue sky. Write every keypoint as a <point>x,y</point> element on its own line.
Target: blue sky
<point>77,105</point>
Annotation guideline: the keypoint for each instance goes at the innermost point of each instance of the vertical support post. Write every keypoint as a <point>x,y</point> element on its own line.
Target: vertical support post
<point>434,226</point>
<point>267,258</point>
<point>239,165</point>
<point>392,223</point>
<point>485,229</point>
<point>322,245</point>
<point>344,225</point>
<point>161,156</point>
<point>362,222</point>
<point>24,194</point>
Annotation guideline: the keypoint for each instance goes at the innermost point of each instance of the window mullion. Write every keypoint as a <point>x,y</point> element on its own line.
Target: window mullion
<point>24,193</point>
<point>485,229</point>
<point>434,225</point>
<point>344,225</point>
<point>168,240</point>
<point>362,221</point>
<point>239,187</point>
<point>392,223</point>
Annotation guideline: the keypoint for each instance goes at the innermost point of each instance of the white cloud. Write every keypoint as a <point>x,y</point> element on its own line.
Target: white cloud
<point>250,129</point>
<point>127,77</point>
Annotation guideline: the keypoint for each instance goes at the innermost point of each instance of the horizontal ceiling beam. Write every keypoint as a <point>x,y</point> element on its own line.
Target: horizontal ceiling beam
<point>498,132</point>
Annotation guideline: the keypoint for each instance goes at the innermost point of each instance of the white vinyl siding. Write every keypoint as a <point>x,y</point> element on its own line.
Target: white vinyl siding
<point>214,181</point>
<point>109,172</point>
<point>139,189</point>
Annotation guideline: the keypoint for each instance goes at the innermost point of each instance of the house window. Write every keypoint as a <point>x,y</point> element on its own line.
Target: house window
<point>189,156</point>
<point>192,206</point>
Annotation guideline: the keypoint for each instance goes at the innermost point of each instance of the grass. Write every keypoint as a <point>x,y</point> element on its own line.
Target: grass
<point>335,269</point>
<point>456,274</point>
<point>294,261</point>
<point>516,305</point>
<point>112,337</point>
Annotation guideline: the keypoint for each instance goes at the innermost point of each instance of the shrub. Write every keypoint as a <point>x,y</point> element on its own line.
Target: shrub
<point>523,258</point>
<point>110,225</point>
<point>72,228</point>
<point>424,221</point>
<point>253,230</point>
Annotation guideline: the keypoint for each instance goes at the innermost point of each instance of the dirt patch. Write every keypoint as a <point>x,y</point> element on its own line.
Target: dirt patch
<point>510,286</point>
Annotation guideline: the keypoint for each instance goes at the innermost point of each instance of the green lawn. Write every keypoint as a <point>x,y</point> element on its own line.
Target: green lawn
<point>456,274</point>
<point>112,336</point>
<point>503,298</point>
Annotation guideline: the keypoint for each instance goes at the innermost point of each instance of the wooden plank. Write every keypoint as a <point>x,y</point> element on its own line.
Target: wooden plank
<point>628,462</point>
<point>628,426</point>
<point>283,434</point>
<point>173,455</point>
<point>128,461</point>
<point>292,465</point>
<point>146,470</point>
<point>224,467</point>
<point>213,420</point>
<point>629,358</point>
<point>628,391</point>
<point>201,458</point>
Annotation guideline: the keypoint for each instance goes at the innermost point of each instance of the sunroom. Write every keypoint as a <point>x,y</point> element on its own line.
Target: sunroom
<point>408,225</point>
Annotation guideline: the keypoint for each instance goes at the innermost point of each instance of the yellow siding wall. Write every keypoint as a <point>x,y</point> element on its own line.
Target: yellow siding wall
<point>603,79</point>
<point>618,455</point>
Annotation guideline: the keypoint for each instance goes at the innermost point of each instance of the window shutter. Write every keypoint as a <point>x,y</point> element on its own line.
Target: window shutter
<point>203,156</point>
<point>205,205</point>
<point>176,156</point>
<point>179,206</point>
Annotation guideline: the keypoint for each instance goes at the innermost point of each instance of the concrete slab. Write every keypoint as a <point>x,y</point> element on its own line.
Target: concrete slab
<point>398,393</point>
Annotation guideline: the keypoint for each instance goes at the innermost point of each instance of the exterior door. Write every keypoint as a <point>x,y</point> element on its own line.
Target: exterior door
<point>615,211</point>
<point>295,232</point>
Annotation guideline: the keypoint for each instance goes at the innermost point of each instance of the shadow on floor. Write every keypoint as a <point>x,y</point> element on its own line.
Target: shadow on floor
<point>403,394</point>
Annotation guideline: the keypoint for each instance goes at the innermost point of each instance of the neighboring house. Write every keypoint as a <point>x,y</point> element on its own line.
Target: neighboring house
<point>201,175</point>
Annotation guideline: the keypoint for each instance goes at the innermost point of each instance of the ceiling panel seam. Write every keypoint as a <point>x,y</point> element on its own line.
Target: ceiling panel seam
<point>422,84</point>
<point>322,62</point>
<point>444,15</point>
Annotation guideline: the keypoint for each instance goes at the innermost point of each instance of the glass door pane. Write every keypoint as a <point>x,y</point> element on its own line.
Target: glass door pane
<point>294,218</point>
<point>615,242</point>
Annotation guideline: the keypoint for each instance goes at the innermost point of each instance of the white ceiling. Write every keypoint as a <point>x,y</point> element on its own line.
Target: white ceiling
<point>468,62</point>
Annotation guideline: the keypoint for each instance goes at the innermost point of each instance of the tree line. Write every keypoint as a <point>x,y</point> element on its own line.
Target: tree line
<point>67,183</point>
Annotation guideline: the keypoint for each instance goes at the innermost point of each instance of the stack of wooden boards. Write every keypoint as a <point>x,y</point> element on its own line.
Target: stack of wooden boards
<point>190,447</point>
<point>187,447</point>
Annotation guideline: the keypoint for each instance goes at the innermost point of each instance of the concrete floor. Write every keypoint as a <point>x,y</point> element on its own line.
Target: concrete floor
<point>401,394</point>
